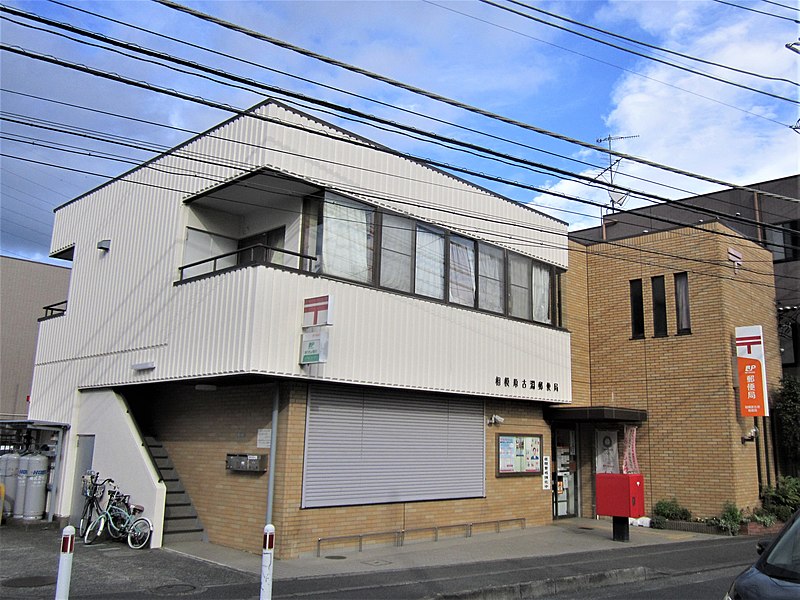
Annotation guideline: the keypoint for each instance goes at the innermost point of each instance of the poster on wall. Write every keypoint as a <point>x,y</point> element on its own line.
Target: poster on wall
<point>519,454</point>
<point>606,452</point>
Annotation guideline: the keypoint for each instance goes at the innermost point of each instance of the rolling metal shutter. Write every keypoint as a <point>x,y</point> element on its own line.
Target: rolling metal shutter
<point>367,446</point>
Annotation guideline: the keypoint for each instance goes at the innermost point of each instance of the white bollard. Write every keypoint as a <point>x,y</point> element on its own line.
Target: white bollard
<point>266,562</point>
<point>65,563</point>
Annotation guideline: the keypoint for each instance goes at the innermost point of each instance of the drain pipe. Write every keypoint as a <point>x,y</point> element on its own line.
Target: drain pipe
<point>272,451</point>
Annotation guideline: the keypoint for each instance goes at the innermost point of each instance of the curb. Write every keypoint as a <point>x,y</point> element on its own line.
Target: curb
<point>549,587</point>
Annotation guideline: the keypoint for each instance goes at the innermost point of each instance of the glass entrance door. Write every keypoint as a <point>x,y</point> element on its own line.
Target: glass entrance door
<point>565,490</point>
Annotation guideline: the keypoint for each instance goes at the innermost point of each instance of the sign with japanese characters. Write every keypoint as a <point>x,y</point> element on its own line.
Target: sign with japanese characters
<point>314,347</point>
<point>752,372</point>
<point>519,454</point>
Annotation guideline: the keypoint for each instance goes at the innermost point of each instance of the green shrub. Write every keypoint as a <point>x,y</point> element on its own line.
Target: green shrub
<point>731,518</point>
<point>658,522</point>
<point>784,499</point>
<point>672,510</point>
<point>763,517</point>
<point>782,513</point>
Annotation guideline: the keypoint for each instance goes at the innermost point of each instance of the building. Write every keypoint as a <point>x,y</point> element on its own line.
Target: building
<point>281,319</point>
<point>25,287</point>
<point>653,320</point>
<point>769,216</point>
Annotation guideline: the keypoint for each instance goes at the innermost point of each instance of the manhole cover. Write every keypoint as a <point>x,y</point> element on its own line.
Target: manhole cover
<point>32,581</point>
<point>175,589</point>
<point>336,557</point>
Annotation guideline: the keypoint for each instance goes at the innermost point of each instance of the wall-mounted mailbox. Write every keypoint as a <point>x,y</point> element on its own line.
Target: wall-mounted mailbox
<point>620,495</point>
<point>250,463</point>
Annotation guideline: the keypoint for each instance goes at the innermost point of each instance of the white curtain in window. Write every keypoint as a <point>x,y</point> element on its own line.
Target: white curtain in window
<point>491,278</point>
<point>429,270</point>
<point>462,271</point>
<point>397,247</point>
<point>541,293</point>
<point>519,286</point>
<point>346,239</point>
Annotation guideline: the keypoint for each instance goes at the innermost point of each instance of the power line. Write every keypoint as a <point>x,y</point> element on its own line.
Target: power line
<point>369,193</point>
<point>440,98</point>
<point>372,118</point>
<point>645,44</point>
<point>782,5</point>
<point>605,62</point>
<point>634,52</point>
<point>761,12</point>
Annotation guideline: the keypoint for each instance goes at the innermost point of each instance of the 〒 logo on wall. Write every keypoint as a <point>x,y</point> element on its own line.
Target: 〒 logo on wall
<point>752,372</point>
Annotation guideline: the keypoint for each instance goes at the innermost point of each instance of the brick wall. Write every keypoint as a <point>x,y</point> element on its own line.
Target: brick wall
<point>690,447</point>
<point>199,428</point>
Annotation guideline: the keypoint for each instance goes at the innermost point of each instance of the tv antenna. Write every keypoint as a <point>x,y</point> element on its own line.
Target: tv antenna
<point>617,198</point>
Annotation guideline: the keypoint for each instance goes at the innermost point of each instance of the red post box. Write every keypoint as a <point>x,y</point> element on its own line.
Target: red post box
<point>620,495</point>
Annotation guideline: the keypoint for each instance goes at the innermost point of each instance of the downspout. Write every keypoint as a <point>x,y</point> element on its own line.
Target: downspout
<point>272,451</point>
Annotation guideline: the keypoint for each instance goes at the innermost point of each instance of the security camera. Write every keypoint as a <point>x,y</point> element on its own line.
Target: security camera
<point>496,419</point>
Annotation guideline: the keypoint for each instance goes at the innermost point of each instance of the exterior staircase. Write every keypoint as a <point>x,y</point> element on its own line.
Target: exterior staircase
<point>181,523</point>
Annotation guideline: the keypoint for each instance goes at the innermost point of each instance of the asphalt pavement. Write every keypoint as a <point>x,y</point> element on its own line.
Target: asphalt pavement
<point>569,556</point>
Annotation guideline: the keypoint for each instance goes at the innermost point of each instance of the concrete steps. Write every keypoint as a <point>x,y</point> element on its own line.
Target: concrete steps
<point>181,523</point>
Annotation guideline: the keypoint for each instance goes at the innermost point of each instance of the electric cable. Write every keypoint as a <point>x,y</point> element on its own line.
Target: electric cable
<point>754,10</point>
<point>651,46</point>
<point>636,53</point>
<point>271,88</point>
<point>440,98</point>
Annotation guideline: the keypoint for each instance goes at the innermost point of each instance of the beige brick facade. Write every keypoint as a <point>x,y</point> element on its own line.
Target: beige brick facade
<point>198,430</point>
<point>690,447</point>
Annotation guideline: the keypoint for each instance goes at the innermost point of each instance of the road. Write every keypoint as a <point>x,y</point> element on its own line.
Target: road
<point>700,568</point>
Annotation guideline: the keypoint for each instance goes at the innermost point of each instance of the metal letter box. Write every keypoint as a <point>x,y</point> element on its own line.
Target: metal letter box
<point>620,495</point>
<point>252,463</point>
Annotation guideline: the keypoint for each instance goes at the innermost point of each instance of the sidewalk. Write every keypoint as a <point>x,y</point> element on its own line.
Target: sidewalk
<point>455,567</point>
<point>562,537</point>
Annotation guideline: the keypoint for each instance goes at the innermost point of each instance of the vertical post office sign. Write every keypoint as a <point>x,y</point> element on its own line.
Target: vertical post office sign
<point>752,372</point>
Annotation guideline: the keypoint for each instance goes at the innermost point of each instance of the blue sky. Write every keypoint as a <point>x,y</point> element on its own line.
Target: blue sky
<point>469,51</point>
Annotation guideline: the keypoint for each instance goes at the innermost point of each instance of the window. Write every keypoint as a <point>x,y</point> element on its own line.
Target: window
<point>462,271</point>
<point>397,252</point>
<point>783,240</point>
<point>519,286</point>
<point>429,266</point>
<point>659,307</point>
<point>637,309</point>
<point>260,249</point>
<point>491,278</point>
<point>682,303</point>
<point>312,234</point>
<point>354,241</point>
<point>541,293</point>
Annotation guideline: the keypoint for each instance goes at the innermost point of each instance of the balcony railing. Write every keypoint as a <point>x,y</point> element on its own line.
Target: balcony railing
<point>258,254</point>
<point>54,310</point>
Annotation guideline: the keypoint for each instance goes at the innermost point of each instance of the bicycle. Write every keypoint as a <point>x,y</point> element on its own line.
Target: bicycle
<point>120,519</point>
<point>93,492</point>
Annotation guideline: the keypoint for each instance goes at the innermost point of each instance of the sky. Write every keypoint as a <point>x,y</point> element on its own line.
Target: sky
<point>551,86</point>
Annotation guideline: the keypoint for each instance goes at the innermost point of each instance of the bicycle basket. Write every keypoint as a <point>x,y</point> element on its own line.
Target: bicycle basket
<point>89,488</point>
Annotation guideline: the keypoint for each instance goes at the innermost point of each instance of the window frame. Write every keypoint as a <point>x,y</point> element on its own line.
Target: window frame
<point>636,290</point>
<point>683,315</point>
<point>658,288</point>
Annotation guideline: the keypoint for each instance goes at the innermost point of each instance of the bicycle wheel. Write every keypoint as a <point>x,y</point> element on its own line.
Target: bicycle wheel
<point>86,518</point>
<point>95,530</point>
<point>139,533</point>
<point>117,519</point>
